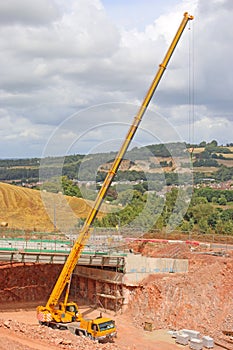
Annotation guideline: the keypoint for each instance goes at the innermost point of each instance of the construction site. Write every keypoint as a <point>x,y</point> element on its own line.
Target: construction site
<point>149,288</point>
<point>108,290</point>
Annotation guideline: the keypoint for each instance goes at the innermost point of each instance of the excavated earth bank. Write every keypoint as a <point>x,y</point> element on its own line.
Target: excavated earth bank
<point>201,299</point>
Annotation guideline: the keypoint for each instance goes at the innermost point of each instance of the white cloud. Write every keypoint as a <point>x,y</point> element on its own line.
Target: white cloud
<point>27,12</point>
<point>208,128</point>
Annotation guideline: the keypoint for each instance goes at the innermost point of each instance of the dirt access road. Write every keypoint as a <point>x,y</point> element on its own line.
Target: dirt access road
<point>22,336</point>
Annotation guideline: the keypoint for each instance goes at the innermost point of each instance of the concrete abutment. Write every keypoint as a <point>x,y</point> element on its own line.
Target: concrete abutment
<point>111,289</point>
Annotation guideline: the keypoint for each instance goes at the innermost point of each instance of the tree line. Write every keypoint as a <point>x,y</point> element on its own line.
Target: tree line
<point>210,211</point>
<point>85,168</point>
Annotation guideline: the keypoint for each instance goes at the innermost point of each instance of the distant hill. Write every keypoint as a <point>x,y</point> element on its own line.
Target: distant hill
<point>23,208</point>
<point>156,159</point>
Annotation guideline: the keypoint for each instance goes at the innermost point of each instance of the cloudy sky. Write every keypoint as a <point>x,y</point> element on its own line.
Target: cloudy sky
<point>73,73</point>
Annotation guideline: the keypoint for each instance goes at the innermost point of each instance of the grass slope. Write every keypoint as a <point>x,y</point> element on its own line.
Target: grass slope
<point>28,209</point>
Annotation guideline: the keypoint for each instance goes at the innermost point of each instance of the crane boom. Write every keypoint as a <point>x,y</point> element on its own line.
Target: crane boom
<point>64,278</point>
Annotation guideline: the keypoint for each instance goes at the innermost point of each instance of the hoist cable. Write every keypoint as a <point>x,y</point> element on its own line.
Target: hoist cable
<point>191,111</point>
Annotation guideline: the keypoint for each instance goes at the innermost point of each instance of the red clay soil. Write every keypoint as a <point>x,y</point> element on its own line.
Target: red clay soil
<point>26,282</point>
<point>201,299</point>
<point>19,331</point>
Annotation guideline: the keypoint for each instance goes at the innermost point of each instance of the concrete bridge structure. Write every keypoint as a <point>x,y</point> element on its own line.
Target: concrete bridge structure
<point>109,277</point>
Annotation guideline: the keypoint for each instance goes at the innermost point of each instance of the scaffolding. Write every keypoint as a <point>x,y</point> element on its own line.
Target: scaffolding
<point>101,286</point>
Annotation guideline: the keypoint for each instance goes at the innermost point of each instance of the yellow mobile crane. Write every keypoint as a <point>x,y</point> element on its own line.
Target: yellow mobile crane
<point>66,314</point>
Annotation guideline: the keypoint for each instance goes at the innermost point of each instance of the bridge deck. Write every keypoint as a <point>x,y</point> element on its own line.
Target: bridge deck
<point>87,259</point>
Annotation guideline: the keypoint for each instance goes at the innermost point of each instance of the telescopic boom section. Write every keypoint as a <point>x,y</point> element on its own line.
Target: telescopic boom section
<point>75,253</point>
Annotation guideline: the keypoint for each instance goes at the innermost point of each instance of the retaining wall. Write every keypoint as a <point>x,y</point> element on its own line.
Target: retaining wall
<point>138,267</point>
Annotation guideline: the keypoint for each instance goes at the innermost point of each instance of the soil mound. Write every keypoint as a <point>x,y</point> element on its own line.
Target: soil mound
<point>28,209</point>
<point>201,299</point>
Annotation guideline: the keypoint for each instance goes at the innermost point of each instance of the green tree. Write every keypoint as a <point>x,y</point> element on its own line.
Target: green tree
<point>203,225</point>
<point>200,211</point>
<point>228,227</point>
<point>222,200</point>
<point>185,226</point>
<point>227,215</point>
<point>140,188</point>
<point>159,223</point>
<point>199,200</point>
<point>69,188</point>
<point>214,200</point>
<point>124,197</point>
<point>202,144</point>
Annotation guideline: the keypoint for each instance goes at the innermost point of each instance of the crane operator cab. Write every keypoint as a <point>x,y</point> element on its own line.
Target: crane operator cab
<point>69,312</point>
